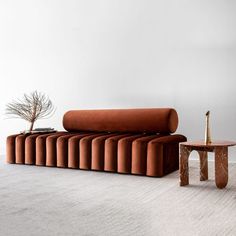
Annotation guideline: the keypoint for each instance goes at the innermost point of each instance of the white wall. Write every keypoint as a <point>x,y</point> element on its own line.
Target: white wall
<point>120,54</point>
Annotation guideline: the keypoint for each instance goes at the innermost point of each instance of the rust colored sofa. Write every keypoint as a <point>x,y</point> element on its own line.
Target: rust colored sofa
<point>132,141</point>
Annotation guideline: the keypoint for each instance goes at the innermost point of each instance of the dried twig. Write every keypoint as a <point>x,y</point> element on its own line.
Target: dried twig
<point>31,108</point>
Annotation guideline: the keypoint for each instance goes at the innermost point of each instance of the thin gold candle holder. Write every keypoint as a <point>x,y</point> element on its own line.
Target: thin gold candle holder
<point>207,129</point>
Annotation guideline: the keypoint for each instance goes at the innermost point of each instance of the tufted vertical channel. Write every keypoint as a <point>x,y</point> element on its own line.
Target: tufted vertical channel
<point>110,156</point>
<point>85,151</point>
<point>41,150</point>
<point>51,149</point>
<point>11,149</point>
<point>30,149</point>
<point>124,155</point>
<point>163,155</point>
<point>62,150</point>
<point>139,154</point>
<point>74,150</point>
<point>98,151</point>
<point>20,148</point>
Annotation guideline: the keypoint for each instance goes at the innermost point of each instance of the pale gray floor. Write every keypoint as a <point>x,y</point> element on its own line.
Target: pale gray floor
<point>51,201</point>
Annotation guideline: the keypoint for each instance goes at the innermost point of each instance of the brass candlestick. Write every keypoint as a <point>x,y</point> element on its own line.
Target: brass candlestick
<point>207,129</point>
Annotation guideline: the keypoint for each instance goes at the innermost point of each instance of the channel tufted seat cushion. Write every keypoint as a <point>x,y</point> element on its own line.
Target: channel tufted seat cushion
<point>130,141</point>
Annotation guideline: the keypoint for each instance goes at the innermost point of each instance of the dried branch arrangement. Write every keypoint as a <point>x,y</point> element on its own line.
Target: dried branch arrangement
<point>32,107</point>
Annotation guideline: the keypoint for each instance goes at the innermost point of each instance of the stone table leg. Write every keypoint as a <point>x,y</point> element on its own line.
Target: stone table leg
<point>183,165</point>
<point>221,166</point>
<point>203,165</point>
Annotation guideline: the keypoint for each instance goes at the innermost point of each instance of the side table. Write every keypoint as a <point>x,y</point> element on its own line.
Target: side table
<point>220,148</point>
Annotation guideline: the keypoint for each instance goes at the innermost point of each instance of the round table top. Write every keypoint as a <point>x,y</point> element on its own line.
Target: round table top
<point>214,143</point>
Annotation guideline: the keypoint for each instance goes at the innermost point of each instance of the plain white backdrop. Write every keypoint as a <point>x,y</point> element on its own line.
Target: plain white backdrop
<point>122,54</point>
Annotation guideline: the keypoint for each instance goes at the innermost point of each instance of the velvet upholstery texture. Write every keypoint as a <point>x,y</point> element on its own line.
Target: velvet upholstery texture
<point>140,145</point>
<point>158,120</point>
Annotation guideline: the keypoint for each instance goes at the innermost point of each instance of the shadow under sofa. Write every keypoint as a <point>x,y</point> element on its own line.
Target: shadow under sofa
<point>130,141</point>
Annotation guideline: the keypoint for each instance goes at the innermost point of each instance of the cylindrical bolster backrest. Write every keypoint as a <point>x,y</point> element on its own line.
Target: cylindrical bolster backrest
<point>159,120</point>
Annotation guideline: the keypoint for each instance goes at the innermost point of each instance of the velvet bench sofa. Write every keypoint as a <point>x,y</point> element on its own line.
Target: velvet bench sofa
<point>136,141</point>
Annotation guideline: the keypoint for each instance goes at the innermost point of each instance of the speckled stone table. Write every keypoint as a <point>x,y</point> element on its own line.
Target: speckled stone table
<point>220,148</point>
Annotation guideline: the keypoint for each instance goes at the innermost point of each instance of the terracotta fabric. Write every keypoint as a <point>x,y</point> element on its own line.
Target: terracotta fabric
<point>98,151</point>
<point>124,155</point>
<point>51,149</point>
<point>30,149</point>
<point>162,155</point>
<point>20,148</point>
<point>110,156</point>
<point>86,151</point>
<point>62,150</point>
<point>11,149</point>
<point>41,149</point>
<point>141,153</point>
<point>74,151</point>
<point>159,120</point>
